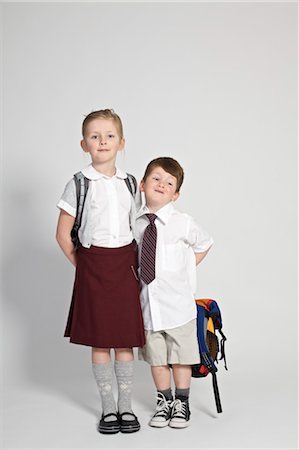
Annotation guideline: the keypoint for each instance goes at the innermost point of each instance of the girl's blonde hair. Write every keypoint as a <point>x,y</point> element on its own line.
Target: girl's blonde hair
<point>103,114</point>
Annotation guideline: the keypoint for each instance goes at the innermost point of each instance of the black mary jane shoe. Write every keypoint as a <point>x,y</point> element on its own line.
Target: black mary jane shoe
<point>128,426</point>
<point>109,427</point>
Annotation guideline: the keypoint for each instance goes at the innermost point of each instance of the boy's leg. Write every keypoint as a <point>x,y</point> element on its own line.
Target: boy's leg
<point>155,353</point>
<point>161,376</point>
<point>103,373</point>
<point>182,376</point>
<point>124,374</point>
<point>181,413</point>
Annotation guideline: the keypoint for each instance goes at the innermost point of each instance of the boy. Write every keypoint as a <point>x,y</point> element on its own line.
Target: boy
<point>171,245</point>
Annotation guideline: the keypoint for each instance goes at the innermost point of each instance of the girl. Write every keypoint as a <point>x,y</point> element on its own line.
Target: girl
<point>105,311</point>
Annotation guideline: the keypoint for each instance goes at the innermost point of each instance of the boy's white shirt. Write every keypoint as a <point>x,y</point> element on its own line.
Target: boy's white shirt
<point>107,205</point>
<point>168,301</point>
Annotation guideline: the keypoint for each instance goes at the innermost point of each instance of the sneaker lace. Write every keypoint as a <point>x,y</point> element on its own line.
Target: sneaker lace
<point>179,408</point>
<point>163,405</point>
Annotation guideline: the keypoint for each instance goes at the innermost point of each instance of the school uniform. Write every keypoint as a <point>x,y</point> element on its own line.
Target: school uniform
<point>105,311</point>
<point>168,302</point>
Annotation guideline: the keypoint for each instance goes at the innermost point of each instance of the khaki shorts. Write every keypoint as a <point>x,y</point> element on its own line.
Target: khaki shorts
<point>174,346</point>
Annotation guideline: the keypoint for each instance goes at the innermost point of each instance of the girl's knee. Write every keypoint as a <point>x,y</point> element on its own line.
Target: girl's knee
<point>100,355</point>
<point>124,354</point>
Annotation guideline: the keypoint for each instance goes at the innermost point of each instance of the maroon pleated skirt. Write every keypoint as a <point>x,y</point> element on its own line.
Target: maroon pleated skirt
<point>105,311</point>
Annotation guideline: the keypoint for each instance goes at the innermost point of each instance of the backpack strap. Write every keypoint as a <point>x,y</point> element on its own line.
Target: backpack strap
<point>213,311</point>
<point>207,308</point>
<point>81,183</point>
<point>216,393</point>
<point>206,359</point>
<point>222,349</point>
<point>131,183</point>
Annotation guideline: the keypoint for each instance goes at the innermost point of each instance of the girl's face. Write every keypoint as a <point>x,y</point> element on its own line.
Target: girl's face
<point>102,141</point>
<point>159,188</point>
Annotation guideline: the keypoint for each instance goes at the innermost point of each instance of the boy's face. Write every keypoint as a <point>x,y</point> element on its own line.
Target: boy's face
<point>159,188</point>
<point>102,141</point>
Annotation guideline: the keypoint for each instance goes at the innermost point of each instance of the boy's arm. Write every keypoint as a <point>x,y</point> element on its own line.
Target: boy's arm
<point>200,256</point>
<point>63,235</point>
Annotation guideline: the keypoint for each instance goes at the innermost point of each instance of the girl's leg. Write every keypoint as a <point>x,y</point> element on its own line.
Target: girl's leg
<point>124,354</point>
<point>100,355</point>
<point>124,374</point>
<point>103,373</point>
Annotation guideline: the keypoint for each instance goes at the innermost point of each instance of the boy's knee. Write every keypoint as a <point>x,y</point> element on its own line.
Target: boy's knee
<point>181,367</point>
<point>161,369</point>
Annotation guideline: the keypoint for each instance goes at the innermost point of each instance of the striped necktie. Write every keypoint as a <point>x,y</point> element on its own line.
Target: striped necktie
<point>148,251</point>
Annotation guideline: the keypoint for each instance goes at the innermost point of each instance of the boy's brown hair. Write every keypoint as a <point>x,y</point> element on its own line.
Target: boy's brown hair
<point>103,114</point>
<point>168,164</point>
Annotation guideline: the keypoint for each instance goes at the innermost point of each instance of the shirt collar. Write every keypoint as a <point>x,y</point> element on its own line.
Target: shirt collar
<point>92,174</point>
<point>163,214</point>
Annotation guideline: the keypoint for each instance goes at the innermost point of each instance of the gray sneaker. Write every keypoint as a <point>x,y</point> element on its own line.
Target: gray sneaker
<point>180,414</point>
<point>162,415</point>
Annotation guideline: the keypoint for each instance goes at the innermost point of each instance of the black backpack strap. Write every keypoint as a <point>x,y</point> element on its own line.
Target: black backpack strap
<point>222,349</point>
<point>216,393</point>
<point>131,183</point>
<point>82,184</point>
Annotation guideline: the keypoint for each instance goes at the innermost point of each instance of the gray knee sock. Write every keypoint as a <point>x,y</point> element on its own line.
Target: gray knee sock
<point>124,376</point>
<point>103,374</point>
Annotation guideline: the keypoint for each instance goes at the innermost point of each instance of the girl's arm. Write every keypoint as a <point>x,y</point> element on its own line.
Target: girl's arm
<point>63,235</point>
<point>200,256</point>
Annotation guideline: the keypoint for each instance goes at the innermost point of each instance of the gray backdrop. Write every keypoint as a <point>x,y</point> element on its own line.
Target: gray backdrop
<point>213,85</point>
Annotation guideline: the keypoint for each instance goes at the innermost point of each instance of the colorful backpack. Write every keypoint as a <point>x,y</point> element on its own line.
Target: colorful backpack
<point>208,322</point>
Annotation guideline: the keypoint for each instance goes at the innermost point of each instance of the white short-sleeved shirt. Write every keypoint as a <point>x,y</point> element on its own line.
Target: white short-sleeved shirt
<point>109,209</point>
<point>168,301</point>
